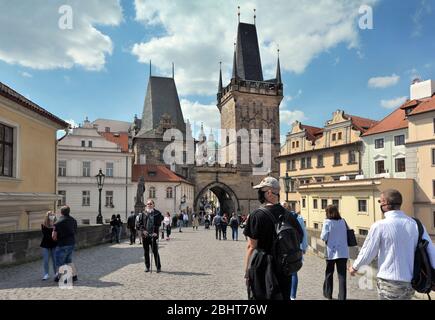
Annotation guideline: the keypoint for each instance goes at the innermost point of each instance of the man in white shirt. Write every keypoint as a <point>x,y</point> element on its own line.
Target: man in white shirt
<point>393,241</point>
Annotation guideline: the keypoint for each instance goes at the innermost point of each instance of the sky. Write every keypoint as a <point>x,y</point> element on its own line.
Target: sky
<point>91,58</point>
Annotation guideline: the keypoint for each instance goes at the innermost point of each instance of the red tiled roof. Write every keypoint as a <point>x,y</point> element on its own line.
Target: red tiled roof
<point>313,133</point>
<point>161,173</point>
<point>394,121</point>
<point>119,138</point>
<point>12,95</point>
<point>362,124</point>
<point>424,106</point>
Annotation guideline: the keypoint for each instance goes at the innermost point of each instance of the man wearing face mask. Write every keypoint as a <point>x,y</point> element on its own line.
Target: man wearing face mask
<point>393,240</point>
<point>260,231</point>
<point>149,224</point>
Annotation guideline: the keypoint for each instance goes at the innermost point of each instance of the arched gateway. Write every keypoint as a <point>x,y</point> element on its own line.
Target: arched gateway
<point>228,200</point>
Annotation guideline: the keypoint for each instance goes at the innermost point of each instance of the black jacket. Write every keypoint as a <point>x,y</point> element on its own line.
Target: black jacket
<point>47,240</point>
<point>157,217</point>
<point>131,222</point>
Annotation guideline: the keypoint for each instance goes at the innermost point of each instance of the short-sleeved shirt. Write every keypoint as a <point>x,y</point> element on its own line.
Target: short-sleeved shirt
<point>259,226</point>
<point>66,228</point>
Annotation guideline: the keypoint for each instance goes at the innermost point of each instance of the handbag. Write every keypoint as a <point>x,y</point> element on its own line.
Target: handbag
<point>351,239</point>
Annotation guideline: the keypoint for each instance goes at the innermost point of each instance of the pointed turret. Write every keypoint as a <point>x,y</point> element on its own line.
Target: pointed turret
<point>220,88</point>
<point>278,71</point>
<point>235,73</point>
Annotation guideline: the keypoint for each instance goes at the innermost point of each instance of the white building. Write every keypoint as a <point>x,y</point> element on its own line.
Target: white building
<point>384,147</point>
<point>81,155</point>
<point>165,188</point>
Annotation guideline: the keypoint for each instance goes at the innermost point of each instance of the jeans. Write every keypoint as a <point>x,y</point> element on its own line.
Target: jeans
<point>119,233</point>
<point>46,254</point>
<point>224,231</point>
<point>132,236</point>
<point>294,285</point>
<point>329,277</point>
<point>64,255</point>
<point>235,233</point>
<point>180,224</point>
<point>218,231</point>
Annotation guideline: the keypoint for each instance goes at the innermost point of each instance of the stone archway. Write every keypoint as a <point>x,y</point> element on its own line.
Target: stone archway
<point>227,198</point>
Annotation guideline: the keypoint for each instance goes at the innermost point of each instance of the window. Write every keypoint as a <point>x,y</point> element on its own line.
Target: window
<point>379,143</point>
<point>315,204</point>
<point>83,143</point>
<point>399,140</point>
<point>433,157</point>
<point>335,178</point>
<point>61,172</point>
<point>288,165</point>
<point>319,179</point>
<point>400,165</point>
<point>61,202</point>
<point>363,232</point>
<point>86,198</point>
<point>339,135</point>
<point>336,203</point>
<point>185,172</point>
<point>303,203</point>
<point>309,162</point>
<point>320,160</point>
<point>142,158</point>
<point>362,205</point>
<point>6,150</point>
<point>379,167</point>
<point>433,187</point>
<point>334,136</point>
<point>337,159</point>
<point>107,129</point>
<point>169,192</point>
<point>292,186</point>
<point>152,193</point>
<point>316,226</point>
<point>109,169</point>
<point>109,199</point>
<point>303,163</point>
<point>293,144</point>
<point>90,143</point>
<point>152,173</point>
<point>297,144</point>
<point>324,203</point>
<point>86,168</point>
<point>293,165</point>
<point>352,157</point>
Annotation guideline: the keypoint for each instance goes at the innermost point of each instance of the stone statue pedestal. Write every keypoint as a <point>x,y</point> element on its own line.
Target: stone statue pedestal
<point>139,207</point>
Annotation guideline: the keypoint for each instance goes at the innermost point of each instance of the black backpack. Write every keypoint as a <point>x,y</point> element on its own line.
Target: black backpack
<point>423,280</point>
<point>286,246</point>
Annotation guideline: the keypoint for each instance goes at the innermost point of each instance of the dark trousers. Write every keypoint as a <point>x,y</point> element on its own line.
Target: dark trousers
<point>218,231</point>
<point>224,231</point>
<point>147,242</point>
<point>329,277</point>
<point>132,236</point>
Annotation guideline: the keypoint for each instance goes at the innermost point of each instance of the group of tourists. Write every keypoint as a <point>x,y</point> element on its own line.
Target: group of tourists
<point>277,241</point>
<point>221,223</point>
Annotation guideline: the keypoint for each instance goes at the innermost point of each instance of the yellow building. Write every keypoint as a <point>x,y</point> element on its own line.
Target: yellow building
<point>28,161</point>
<point>331,153</point>
<point>420,149</point>
<point>357,201</point>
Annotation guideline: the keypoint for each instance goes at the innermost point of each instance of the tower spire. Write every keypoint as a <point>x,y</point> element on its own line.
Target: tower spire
<point>278,71</point>
<point>255,16</point>
<point>238,12</point>
<point>150,68</point>
<point>173,71</point>
<point>220,78</point>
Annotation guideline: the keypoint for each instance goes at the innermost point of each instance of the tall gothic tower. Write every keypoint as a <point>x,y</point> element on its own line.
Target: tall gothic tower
<point>249,102</point>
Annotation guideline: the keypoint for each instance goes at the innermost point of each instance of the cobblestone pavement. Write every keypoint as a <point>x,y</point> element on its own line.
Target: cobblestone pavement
<point>194,266</point>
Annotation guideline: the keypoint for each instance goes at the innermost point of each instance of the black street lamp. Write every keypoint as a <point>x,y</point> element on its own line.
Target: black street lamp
<point>287,181</point>
<point>100,182</point>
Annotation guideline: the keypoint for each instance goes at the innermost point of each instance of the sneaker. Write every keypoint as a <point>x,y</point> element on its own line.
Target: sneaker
<point>292,298</point>
<point>159,270</point>
<point>75,278</point>
<point>46,276</point>
<point>147,270</point>
<point>56,278</point>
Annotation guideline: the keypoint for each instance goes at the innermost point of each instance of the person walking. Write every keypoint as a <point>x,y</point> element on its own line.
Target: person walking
<point>131,224</point>
<point>180,221</point>
<point>224,225</point>
<point>138,232</point>
<point>195,221</point>
<point>334,233</point>
<point>234,224</point>
<point>260,231</point>
<point>149,223</point>
<point>64,231</point>
<point>217,220</point>
<point>114,229</point>
<point>119,227</point>
<point>167,225</point>
<point>393,240</point>
<point>48,245</point>
<point>185,219</point>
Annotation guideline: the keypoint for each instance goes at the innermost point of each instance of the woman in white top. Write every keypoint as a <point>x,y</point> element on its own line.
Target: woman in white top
<point>334,233</point>
<point>167,226</point>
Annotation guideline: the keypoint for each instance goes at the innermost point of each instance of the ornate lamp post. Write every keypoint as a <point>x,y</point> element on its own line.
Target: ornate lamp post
<point>100,182</point>
<point>287,181</point>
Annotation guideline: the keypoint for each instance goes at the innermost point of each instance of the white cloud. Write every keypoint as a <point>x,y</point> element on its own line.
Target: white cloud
<point>424,8</point>
<point>393,103</point>
<point>287,117</point>
<point>384,82</point>
<point>199,34</point>
<point>25,74</point>
<point>72,123</point>
<point>34,39</point>
<point>198,113</point>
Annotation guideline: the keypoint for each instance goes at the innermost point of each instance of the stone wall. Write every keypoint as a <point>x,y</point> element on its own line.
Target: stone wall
<point>23,246</point>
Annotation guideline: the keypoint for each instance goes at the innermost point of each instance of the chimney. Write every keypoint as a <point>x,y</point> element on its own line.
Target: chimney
<point>422,89</point>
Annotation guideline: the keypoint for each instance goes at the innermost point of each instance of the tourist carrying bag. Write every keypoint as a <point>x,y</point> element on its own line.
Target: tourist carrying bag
<point>351,239</point>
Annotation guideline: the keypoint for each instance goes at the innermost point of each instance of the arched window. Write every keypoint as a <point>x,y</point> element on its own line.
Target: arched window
<point>169,192</point>
<point>152,193</point>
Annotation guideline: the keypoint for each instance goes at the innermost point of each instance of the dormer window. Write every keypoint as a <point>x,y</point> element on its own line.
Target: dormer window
<point>152,173</point>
